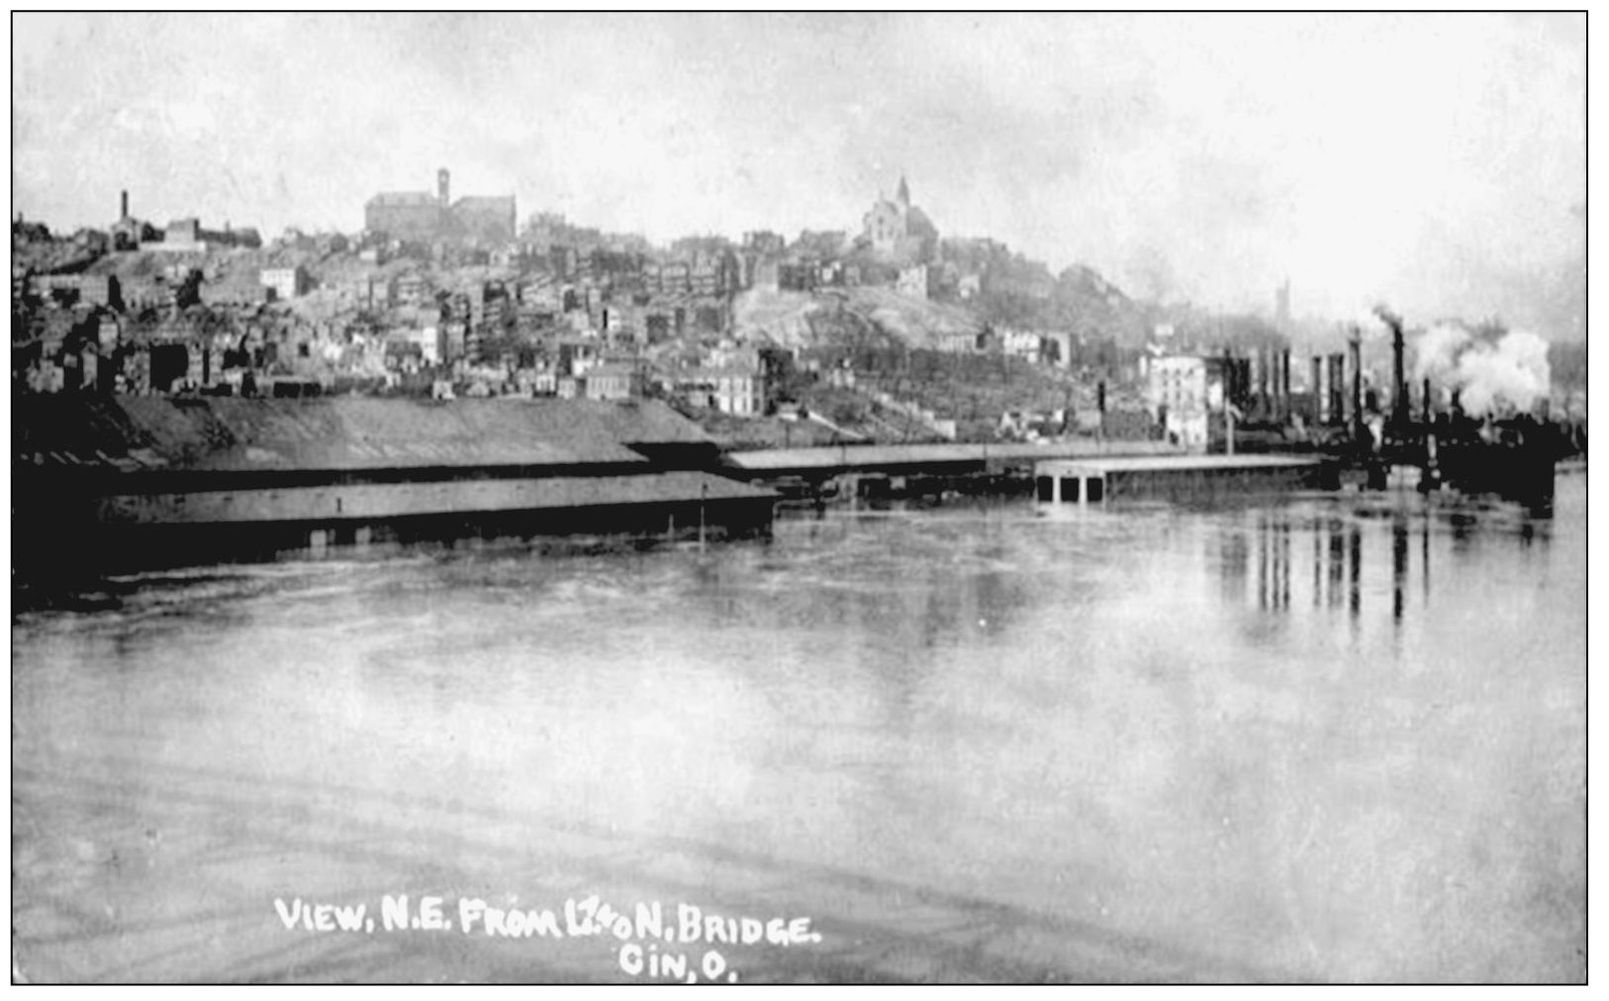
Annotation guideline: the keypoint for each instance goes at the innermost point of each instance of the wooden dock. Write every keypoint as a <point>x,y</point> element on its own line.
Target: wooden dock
<point>1176,477</point>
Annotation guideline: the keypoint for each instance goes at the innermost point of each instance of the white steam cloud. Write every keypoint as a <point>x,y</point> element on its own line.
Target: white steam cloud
<point>1492,375</point>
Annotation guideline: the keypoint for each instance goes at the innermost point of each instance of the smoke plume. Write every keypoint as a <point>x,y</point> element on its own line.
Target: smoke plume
<point>1493,374</point>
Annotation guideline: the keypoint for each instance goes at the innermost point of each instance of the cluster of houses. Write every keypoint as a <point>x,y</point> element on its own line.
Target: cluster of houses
<point>446,297</point>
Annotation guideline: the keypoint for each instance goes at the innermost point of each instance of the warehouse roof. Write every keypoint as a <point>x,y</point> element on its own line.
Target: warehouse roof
<point>337,433</point>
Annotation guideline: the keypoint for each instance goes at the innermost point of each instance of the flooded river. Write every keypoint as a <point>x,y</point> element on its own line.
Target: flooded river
<point>1333,738</point>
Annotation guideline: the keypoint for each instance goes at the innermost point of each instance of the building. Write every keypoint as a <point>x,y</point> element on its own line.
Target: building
<point>577,355</point>
<point>730,390</point>
<point>487,220</point>
<point>1182,391</point>
<point>1025,344</point>
<point>187,236</point>
<point>285,283</point>
<point>767,274</point>
<point>896,228</point>
<point>235,292</point>
<point>913,281</point>
<point>76,289</point>
<point>608,382</point>
<point>128,232</point>
<point>764,242</point>
<point>422,217</point>
<point>414,216</point>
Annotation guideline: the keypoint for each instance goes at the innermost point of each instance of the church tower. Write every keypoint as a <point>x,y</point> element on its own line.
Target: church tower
<point>904,196</point>
<point>442,189</point>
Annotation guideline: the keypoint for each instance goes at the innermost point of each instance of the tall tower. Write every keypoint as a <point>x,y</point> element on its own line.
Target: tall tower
<point>904,195</point>
<point>443,191</point>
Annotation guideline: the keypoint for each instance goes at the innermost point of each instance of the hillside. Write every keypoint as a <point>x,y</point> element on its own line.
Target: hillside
<point>918,322</point>
<point>1079,301</point>
<point>840,317</point>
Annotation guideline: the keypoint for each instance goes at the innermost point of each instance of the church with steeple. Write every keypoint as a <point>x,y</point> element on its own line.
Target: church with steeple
<point>899,230</point>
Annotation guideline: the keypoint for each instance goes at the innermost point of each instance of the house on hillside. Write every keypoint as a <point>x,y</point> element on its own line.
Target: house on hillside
<point>913,281</point>
<point>286,283</point>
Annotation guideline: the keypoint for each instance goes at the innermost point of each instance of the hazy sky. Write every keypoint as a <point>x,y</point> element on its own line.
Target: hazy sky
<point>1437,161</point>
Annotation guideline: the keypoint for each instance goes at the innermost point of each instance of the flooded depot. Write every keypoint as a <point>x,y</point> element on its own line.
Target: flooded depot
<point>1333,737</point>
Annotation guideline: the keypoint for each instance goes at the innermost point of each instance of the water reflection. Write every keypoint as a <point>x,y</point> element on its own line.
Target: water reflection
<point>1358,556</point>
<point>971,743</point>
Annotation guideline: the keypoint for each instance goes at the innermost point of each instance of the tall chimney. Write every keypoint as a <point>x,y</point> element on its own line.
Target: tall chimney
<point>1315,380</point>
<point>124,205</point>
<point>1356,345</point>
<point>1259,378</point>
<point>1337,387</point>
<point>1285,383</point>
<point>1399,388</point>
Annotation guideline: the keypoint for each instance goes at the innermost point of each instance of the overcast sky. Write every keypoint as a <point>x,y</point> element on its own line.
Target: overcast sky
<point>1435,161</point>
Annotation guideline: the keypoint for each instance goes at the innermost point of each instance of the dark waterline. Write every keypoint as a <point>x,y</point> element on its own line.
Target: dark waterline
<point>1340,737</point>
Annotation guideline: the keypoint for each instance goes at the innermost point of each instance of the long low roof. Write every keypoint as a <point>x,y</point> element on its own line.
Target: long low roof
<point>404,500</point>
<point>874,456</point>
<point>1103,465</point>
<point>335,433</point>
<point>404,198</point>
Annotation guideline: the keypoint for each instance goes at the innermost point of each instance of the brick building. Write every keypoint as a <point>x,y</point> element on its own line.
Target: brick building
<point>422,217</point>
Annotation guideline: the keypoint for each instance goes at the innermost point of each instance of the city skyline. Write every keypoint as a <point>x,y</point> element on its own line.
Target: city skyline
<point>1437,162</point>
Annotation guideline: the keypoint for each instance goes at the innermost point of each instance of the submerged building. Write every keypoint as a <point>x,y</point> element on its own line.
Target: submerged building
<point>150,481</point>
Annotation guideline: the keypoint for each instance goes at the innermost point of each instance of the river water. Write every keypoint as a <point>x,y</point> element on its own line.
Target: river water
<point>1337,737</point>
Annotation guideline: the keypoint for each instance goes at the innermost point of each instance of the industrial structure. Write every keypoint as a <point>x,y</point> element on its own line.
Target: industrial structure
<point>148,481</point>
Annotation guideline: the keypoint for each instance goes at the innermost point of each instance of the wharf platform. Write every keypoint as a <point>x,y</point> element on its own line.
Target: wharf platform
<point>958,457</point>
<point>1177,477</point>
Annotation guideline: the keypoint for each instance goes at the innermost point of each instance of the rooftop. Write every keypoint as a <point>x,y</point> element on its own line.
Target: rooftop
<point>400,198</point>
<point>1103,465</point>
<point>335,433</point>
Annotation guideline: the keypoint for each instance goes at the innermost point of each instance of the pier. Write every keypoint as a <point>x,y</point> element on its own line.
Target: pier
<point>957,458</point>
<point>1176,477</point>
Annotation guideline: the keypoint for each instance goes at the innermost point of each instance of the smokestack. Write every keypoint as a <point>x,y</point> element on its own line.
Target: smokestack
<point>1285,382</point>
<point>1399,379</point>
<point>1262,380</point>
<point>1424,403</point>
<point>124,205</point>
<point>1314,394</point>
<point>1337,387</point>
<point>1399,405</point>
<point>1357,382</point>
